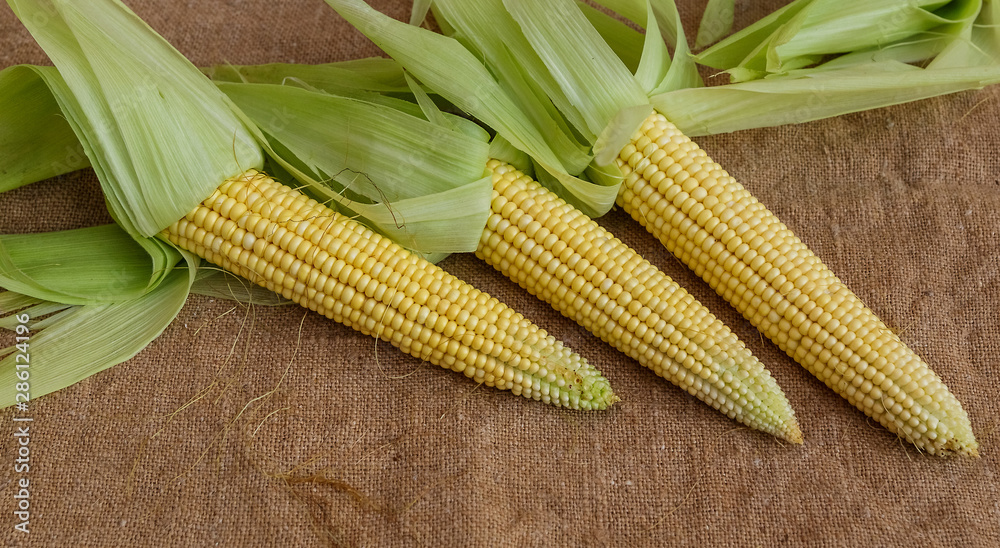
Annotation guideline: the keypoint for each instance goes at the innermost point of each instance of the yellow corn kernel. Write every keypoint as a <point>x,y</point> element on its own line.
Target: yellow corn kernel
<point>329,263</point>
<point>555,252</point>
<point>754,261</point>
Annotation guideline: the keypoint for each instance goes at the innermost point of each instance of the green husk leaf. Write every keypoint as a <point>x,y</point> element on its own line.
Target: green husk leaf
<point>11,302</point>
<point>633,10</point>
<point>578,59</point>
<point>683,72</point>
<point>594,197</point>
<point>84,266</point>
<point>559,131</point>
<point>914,50</point>
<point>657,72</point>
<point>963,51</point>
<point>83,340</point>
<point>142,112</point>
<point>812,96</point>
<point>364,79</point>
<point>505,96</point>
<point>626,42</point>
<point>519,68</point>
<point>373,74</point>
<point>488,31</point>
<point>36,142</point>
<point>765,58</point>
<point>448,68</point>
<point>419,182</point>
<point>419,11</point>
<point>62,311</point>
<point>502,150</point>
<point>637,11</point>
<point>734,50</point>
<point>655,62</point>
<point>43,308</point>
<point>836,27</point>
<point>809,31</point>
<point>967,43</point>
<point>619,132</point>
<point>432,113</point>
<point>716,22</point>
<point>974,44</point>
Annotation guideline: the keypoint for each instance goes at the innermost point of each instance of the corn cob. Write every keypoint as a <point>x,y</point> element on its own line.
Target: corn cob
<point>710,222</point>
<point>280,239</point>
<point>557,253</point>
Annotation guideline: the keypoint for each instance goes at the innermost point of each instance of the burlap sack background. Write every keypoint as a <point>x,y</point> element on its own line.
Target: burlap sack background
<point>269,427</point>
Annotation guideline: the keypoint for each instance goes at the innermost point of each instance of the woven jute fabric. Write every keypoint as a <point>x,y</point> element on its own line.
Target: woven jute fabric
<point>262,426</point>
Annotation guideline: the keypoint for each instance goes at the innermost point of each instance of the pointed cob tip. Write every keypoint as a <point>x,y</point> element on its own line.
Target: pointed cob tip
<point>598,395</point>
<point>785,427</point>
<point>772,412</point>
<point>792,432</point>
<point>956,447</point>
<point>963,442</point>
<point>783,424</point>
<point>568,380</point>
<point>970,451</point>
<point>948,431</point>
